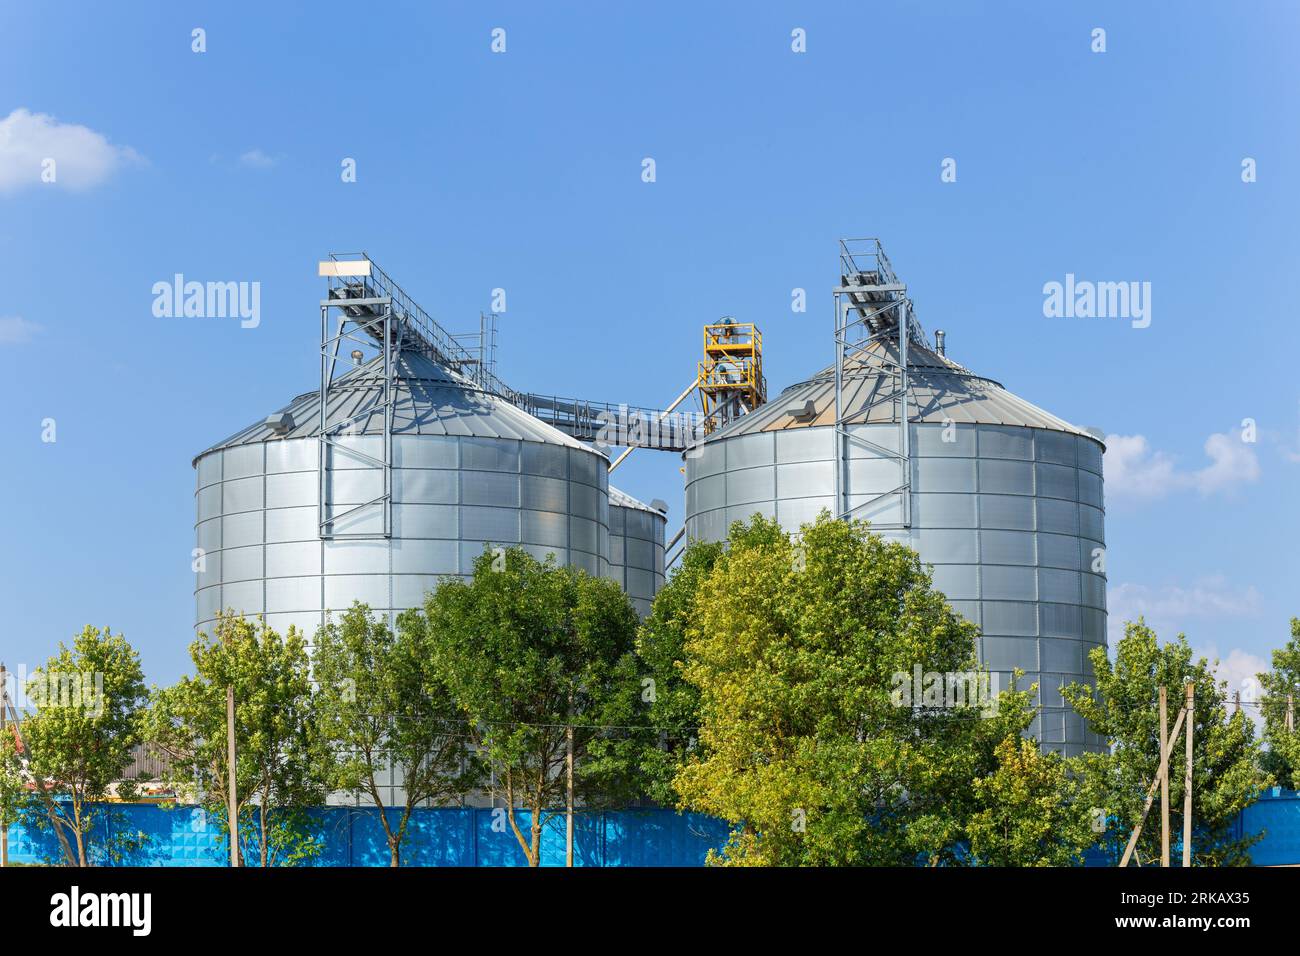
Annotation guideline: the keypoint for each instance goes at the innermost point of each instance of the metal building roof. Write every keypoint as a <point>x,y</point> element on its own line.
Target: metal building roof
<point>621,499</point>
<point>430,400</point>
<point>940,389</point>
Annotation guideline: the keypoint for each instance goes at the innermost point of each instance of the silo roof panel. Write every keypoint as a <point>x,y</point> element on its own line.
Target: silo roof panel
<point>621,499</point>
<point>941,390</point>
<point>429,400</point>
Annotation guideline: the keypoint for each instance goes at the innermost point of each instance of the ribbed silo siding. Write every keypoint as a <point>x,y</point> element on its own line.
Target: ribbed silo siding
<point>1008,516</point>
<point>636,554</point>
<point>452,497</point>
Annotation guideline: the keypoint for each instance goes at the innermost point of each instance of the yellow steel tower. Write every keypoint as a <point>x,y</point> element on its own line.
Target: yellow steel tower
<point>730,378</point>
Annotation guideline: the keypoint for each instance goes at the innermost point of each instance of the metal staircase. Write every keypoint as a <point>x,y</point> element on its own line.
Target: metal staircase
<point>365,308</point>
<point>872,316</point>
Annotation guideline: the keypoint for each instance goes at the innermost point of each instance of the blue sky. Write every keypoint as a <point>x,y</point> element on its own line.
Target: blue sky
<point>522,170</point>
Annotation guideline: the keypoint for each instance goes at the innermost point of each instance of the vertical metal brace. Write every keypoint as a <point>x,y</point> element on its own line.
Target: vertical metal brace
<point>390,370</point>
<point>844,305</point>
<point>905,432</point>
<point>390,344</point>
<point>841,320</point>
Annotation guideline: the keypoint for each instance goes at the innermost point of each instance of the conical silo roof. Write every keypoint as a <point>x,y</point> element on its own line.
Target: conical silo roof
<point>430,399</point>
<point>941,390</point>
<point>621,499</point>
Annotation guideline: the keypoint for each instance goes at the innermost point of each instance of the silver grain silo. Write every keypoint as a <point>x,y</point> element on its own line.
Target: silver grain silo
<point>636,547</point>
<point>1001,497</point>
<point>465,470</point>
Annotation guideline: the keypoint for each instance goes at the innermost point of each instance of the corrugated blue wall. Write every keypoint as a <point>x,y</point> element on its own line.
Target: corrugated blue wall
<point>184,836</point>
<point>1277,813</point>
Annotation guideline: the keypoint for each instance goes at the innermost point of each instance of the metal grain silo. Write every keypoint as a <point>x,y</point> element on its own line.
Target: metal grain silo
<point>1001,497</point>
<point>636,547</point>
<point>395,473</point>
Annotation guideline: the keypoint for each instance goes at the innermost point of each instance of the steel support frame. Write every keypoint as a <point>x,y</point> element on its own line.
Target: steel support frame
<point>850,341</point>
<point>387,323</point>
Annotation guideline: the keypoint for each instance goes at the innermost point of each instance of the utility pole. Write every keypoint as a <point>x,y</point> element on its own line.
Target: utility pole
<point>1131,849</point>
<point>232,810</point>
<point>4,732</point>
<point>1290,713</point>
<point>232,791</point>
<point>1187,780</point>
<point>1164,780</point>
<point>568,769</point>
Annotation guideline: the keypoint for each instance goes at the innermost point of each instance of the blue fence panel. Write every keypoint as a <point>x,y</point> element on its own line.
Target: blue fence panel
<point>29,845</point>
<point>588,840</point>
<point>1277,813</point>
<point>497,844</point>
<point>336,834</point>
<point>494,838</point>
<point>186,836</point>
<point>182,836</point>
<point>661,838</point>
<point>434,837</point>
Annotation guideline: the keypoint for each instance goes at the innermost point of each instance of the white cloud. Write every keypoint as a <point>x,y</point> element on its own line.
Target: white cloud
<point>1239,670</point>
<point>15,330</point>
<point>1168,609</point>
<point>257,159</point>
<point>82,157</point>
<point>1134,470</point>
<point>1233,462</point>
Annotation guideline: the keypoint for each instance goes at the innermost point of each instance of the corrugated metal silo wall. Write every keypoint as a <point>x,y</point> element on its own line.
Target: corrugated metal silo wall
<point>636,554</point>
<point>257,521</point>
<point>1008,516</point>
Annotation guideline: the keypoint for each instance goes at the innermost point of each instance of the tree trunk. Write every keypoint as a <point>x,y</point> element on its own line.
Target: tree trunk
<point>568,797</point>
<point>261,820</point>
<point>395,839</point>
<point>81,843</point>
<point>232,828</point>
<point>57,825</point>
<point>510,815</point>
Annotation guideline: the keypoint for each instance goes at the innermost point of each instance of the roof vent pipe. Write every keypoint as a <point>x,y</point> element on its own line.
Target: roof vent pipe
<point>938,341</point>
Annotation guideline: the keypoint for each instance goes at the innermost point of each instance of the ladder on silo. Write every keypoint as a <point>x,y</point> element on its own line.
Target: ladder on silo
<point>373,311</point>
<point>871,311</point>
<point>364,317</point>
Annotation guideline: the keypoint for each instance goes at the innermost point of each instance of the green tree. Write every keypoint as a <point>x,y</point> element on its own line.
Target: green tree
<point>383,706</point>
<point>529,650</point>
<point>801,653</point>
<point>1030,810</point>
<point>674,703</point>
<point>283,765</point>
<point>1282,759</point>
<point>89,700</point>
<point>13,783</point>
<point>1226,774</point>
